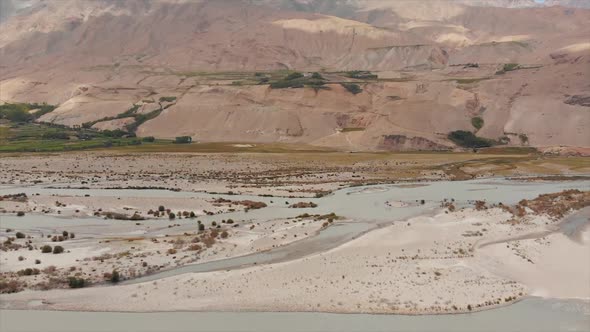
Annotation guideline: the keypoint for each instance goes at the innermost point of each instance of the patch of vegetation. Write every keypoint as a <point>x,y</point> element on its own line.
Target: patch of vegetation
<point>360,74</point>
<point>524,139</point>
<point>298,80</point>
<point>20,112</point>
<point>74,282</point>
<point>167,99</point>
<point>508,67</point>
<point>352,88</point>
<point>477,122</point>
<point>47,137</point>
<point>183,140</point>
<point>127,114</point>
<point>468,139</point>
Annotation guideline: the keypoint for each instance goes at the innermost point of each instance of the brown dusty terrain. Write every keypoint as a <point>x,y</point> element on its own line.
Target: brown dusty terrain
<point>436,67</point>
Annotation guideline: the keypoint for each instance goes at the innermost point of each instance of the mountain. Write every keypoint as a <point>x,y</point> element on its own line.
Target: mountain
<point>211,69</point>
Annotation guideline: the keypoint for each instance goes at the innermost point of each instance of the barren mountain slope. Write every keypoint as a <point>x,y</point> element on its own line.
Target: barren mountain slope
<point>96,59</point>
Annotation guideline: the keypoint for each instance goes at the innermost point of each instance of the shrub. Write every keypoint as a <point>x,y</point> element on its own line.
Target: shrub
<point>65,234</point>
<point>58,249</point>
<point>167,99</point>
<point>171,251</point>
<point>20,213</point>
<point>317,76</point>
<point>171,216</point>
<point>161,208</point>
<point>37,261</point>
<point>468,139</point>
<point>183,140</point>
<point>115,276</point>
<point>148,139</point>
<point>294,75</point>
<point>192,215</point>
<point>352,88</point>
<point>524,139</point>
<point>201,227</point>
<point>72,235</point>
<point>194,247</point>
<point>46,249</point>
<point>74,282</point>
<point>224,235</point>
<point>508,67</point>
<point>20,235</point>
<point>477,122</point>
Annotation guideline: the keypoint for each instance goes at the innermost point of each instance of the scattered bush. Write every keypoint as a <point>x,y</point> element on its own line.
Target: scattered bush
<point>148,139</point>
<point>20,235</point>
<point>161,208</point>
<point>201,227</point>
<point>20,213</point>
<point>65,234</point>
<point>171,251</point>
<point>224,235</point>
<point>37,261</point>
<point>46,249</point>
<point>171,216</point>
<point>58,249</point>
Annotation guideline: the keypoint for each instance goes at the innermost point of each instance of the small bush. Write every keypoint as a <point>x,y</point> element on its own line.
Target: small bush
<point>293,76</point>
<point>58,249</point>
<point>171,216</point>
<point>317,76</point>
<point>20,213</point>
<point>115,276</point>
<point>148,139</point>
<point>161,208</point>
<point>37,261</point>
<point>224,235</point>
<point>201,227</point>
<point>46,249</point>
<point>352,88</point>
<point>477,122</point>
<point>65,234</point>
<point>183,140</point>
<point>20,235</point>
<point>74,282</point>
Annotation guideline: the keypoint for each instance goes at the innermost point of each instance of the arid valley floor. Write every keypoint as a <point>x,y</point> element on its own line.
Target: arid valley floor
<point>401,233</point>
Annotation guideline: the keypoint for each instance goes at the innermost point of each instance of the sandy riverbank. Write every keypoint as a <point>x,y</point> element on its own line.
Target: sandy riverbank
<point>424,265</point>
